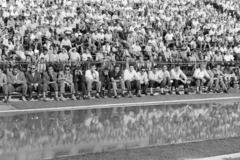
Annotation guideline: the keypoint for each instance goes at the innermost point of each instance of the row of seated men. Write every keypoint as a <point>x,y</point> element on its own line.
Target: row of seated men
<point>129,80</point>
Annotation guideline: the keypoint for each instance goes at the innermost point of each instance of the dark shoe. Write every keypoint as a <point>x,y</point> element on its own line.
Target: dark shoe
<point>56,98</point>
<point>145,93</point>
<point>116,97</point>
<point>177,93</point>
<point>30,98</point>
<point>123,95</point>
<point>98,96</point>
<point>170,92</point>
<point>198,92</point>
<point>186,92</point>
<point>225,91</point>
<point>139,95</point>
<point>164,93</point>
<point>5,101</point>
<point>151,94</point>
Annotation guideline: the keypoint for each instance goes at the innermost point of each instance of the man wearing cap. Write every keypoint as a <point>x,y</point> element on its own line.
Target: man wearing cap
<point>178,78</point>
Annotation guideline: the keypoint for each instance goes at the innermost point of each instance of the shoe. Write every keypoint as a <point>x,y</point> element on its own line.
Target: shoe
<point>5,100</point>
<point>24,99</point>
<point>186,92</point>
<point>144,93</point>
<point>30,98</point>
<point>198,92</point>
<point>151,94</point>
<point>44,99</point>
<point>130,95</point>
<point>116,97</point>
<point>109,96</point>
<point>177,93</point>
<point>225,91</point>
<point>139,95</point>
<point>164,93</point>
<point>74,98</point>
<point>63,99</point>
<point>39,98</point>
<point>56,98</point>
<point>123,95</point>
<point>170,92</point>
<point>98,96</point>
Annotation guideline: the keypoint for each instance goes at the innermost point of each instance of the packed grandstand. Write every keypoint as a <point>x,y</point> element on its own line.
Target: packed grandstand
<point>98,46</point>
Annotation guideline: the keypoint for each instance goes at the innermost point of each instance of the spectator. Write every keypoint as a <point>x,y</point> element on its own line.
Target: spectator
<point>143,78</point>
<point>66,82</point>
<point>34,81</point>
<point>80,82</point>
<point>105,82</point>
<point>50,82</point>
<point>117,78</point>
<point>3,84</point>
<point>16,82</point>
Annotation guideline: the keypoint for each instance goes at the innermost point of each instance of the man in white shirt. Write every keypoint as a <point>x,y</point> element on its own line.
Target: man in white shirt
<point>155,80</point>
<point>178,78</point>
<point>202,78</point>
<point>92,77</point>
<point>74,55</point>
<point>132,81</point>
<point>166,79</point>
<point>143,78</point>
<point>87,55</point>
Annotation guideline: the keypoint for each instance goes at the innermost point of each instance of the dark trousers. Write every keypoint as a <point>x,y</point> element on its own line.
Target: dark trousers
<point>144,87</point>
<point>4,89</point>
<point>38,89</point>
<point>50,86</point>
<point>176,83</point>
<point>80,87</point>
<point>133,85</point>
<point>154,84</point>
<point>106,85</point>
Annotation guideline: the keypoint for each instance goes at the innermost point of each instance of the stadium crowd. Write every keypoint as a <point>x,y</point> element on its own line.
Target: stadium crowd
<point>45,44</point>
<point>158,124</point>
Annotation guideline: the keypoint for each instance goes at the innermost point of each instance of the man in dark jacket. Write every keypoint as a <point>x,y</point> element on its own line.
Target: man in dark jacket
<point>80,82</point>
<point>105,79</point>
<point>34,81</point>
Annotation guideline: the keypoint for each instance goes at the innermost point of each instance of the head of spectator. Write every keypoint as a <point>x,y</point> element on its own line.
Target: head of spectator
<point>155,69</point>
<point>15,70</point>
<point>50,69</point>
<point>131,67</point>
<point>67,69</point>
<point>143,70</point>
<point>93,68</point>
<point>177,67</point>
<point>33,68</point>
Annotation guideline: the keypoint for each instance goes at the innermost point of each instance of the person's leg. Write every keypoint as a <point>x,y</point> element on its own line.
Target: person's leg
<point>198,84</point>
<point>163,85</point>
<point>22,88</point>
<point>114,84</point>
<point>128,86</point>
<point>144,88</point>
<point>62,91</point>
<point>176,85</point>
<point>151,83</point>
<point>98,88</point>
<point>89,87</point>
<point>10,90</point>
<point>109,87</point>
<point>55,89</point>
<point>122,86</point>
<point>5,92</point>
<point>39,90</point>
<point>30,89</point>
<point>72,89</point>
<point>138,88</point>
<point>45,88</point>
<point>76,87</point>
<point>83,89</point>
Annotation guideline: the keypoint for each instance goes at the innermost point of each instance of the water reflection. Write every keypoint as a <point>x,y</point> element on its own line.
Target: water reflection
<point>41,135</point>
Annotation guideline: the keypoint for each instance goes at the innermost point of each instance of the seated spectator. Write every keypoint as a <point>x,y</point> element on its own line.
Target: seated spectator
<point>80,82</point>
<point>34,81</point>
<point>218,74</point>
<point>65,80</point>
<point>117,79</point>
<point>143,78</point>
<point>178,78</point>
<point>3,84</point>
<point>16,83</point>
<point>50,82</point>
<point>132,81</point>
<point>105,82</point>
<point>202,78</point>
<point>229,77</point>
<point>74,55</point>
<point>92,77</point>
<point>164,73</point>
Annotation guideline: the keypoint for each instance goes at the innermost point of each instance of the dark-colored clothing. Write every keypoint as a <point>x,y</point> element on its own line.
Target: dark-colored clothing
<point>36,79</point>
<point>80,82</point>
<point>106,82</point>
<point>115,75</point>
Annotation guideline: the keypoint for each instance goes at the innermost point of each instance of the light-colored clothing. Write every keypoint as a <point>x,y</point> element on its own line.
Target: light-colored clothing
<point>177,75</point>
<point>154,76</point>
<point>164,74</point>
<point>143,78</point>
<point>92,75</point>
<point>129,75</point>
<point>200,74</point>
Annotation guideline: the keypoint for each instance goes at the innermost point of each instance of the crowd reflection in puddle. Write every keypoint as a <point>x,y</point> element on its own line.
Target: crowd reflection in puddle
<point>50,134</point>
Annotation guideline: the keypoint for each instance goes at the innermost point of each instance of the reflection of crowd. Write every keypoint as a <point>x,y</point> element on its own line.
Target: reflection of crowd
<point>162,124</point>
